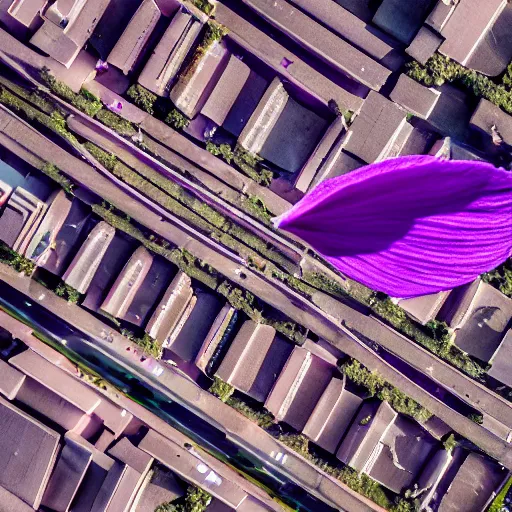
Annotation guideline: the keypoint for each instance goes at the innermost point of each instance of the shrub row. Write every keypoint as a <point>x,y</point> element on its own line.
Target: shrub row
<point>435,336</point>
<point>440,69</point>
<point>195,500</point>
<point>377,386</point>
<point>186,206</point>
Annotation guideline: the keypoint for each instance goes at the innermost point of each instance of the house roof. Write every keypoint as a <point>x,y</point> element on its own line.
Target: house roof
<point>170,309</point>
<point>151,289</point>
<point>188,341</point>
<point>414,97</point>
<point>160,487</point>
<point>254,360</point>
<point>197,82</point>
<point>48,228</point>
<point>440,14</point>
<point>294,137</point>
<point>299,387</point>
<point>167,58</point>
<point>485,117</point>
<point>402,19</point>
<point>225,93</point>
<point>458,305</point>
<point>376,44</point>
<point>49,404</point>
<point>128,283</point>
<point>26,11</point>
<point>192,469</point>
<point>52,39</point>
<point>11,503</point>
<point>126,452</point>
<point>486,322</point>
<point>425,44</point>
<point>494,52</point>
<point>115,258</point>
<point>467,26</point>
<point>501,361</point>
<point>325,147</point>
<point>424,308</point>
<point>404,450</point>
<point>245,103</point>
<point>57,380</point>
<point>264,117</point>
<point>80,272</point>
<point>367,431</point>
<point>377,125</point>
<point>118,489</point>
<point>476,480</point>
<point>94,476</point>
<point>27,454</point>
<point>70,469</point>
<point>135,36</point>
<point>326,45</point>
<point>332,415</point>
<point>11,380</point>
<point>214,337</point>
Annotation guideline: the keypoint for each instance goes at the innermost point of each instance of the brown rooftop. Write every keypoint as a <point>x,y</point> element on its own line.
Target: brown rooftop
<point>466,27</point>
<point>94,477</point>
<point>57,380</point>
<point>414,97</point>
<point>48,229</point>
<point>86,262</point>
<point>225,93</point>
<point>27,454</point>
<point>368,429</point>
<point>485,323</point>
<point>11,503</point>
<point>124,451</point>
<point>299,387</point>
<point>72,464</point>
<point>131,43</point>
<point>214,337</point>
<point>195,85</point>
<point>128,283</point>
<point>49,404</point>
<point>192,469</point>
<point>476,480</point>
<point>425,308</point>
<point>170,309</point>
<point>425,44</point>
<point>160,487</point>
<point>318,40</point>
<point>404,450</point>
<point>11,380</point>
<point>164,64</point>
<point>332,415</point>
<point>254,360</point>
<point>375,128</point>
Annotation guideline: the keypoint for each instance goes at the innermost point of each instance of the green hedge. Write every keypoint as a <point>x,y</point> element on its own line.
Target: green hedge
<point>378,387</point>
<point>440,69</point>
<point>435,336</point>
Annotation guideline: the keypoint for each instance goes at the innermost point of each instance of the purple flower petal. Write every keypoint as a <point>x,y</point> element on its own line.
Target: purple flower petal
<point>409,226</point>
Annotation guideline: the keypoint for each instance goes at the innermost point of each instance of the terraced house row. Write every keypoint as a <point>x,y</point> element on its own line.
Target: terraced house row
<point>145,146</point>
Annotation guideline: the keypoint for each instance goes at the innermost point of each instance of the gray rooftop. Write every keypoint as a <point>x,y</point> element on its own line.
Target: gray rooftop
<point>375,128</point>
<point>299,387</point>
<point>27,454</point>
<point>486,323</point>
<point>473,485</point>
<point>467,25</point>
<point>254,360</point>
